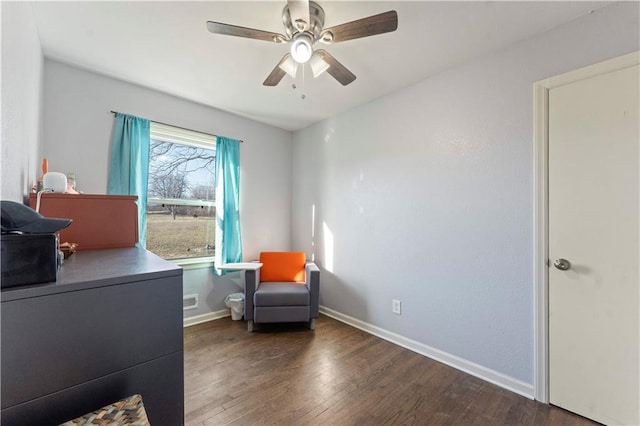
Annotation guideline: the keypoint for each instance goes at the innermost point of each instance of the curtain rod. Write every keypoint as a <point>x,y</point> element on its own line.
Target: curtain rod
<point>178,127</point>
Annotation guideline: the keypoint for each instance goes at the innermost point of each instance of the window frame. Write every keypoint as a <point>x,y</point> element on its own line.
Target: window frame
<point>181,136</point>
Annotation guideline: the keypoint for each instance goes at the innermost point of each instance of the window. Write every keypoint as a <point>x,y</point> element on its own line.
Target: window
<point>181,199</point>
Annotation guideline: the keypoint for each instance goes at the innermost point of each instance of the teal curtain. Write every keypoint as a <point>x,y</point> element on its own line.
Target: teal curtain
<point>129,171</point>
<point>228,238</point>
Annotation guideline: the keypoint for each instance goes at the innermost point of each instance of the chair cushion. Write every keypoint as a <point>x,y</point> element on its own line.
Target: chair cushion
<point>282,266</point>
<point>281,294</point>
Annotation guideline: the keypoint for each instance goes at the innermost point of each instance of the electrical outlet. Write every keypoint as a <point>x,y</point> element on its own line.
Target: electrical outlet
<point>396,307</point>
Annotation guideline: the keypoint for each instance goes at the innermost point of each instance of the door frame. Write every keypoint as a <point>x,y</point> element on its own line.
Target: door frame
<point>541,208</point>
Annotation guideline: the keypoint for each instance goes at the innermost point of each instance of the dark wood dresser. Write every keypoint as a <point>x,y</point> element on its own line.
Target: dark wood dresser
<point>108,328</point>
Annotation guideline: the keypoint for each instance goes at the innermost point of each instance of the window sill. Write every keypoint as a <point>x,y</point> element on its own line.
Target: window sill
<point>194,263</point>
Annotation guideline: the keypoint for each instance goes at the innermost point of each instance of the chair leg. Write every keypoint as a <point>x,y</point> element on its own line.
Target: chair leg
<point>250,326</point>
<point>312,324</point>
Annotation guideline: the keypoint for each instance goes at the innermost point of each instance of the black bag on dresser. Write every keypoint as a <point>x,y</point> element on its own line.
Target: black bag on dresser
<point>28,259</point>
<point>29,245</point>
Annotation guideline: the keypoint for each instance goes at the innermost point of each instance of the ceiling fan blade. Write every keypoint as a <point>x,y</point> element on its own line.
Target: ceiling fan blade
<point>336,69</point>
<point>234,30</point>
<point>276,75</point>
<point>299,11</point>
<point>377,24</point>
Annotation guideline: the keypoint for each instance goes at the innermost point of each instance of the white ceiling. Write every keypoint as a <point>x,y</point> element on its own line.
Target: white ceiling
<point>165,46</point>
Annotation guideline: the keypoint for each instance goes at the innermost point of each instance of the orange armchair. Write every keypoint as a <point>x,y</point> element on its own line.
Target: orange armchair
<point>285,289</point>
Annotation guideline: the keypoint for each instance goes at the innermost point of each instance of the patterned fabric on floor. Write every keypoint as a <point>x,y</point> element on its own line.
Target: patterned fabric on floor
<point>129,411</point>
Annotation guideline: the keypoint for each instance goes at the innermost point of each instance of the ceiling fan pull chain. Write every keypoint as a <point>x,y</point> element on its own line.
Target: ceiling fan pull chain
<point>303,95</point>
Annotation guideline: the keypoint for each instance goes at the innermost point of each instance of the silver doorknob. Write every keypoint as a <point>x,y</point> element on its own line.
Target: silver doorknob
<point>562,264</point>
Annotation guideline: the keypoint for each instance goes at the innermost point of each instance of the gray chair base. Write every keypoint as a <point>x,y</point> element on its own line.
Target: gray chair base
<point>251,325</point>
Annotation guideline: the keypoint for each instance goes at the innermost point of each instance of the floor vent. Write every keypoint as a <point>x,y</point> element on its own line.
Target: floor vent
<point>189,301</point>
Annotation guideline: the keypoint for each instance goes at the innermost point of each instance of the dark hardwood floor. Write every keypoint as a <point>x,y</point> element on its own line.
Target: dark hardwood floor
<point>336,375</point>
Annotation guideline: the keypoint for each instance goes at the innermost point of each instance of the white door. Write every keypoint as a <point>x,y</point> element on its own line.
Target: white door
<point>594,320</point>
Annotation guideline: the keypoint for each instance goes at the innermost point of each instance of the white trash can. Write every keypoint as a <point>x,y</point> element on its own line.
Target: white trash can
<point>235,301</point>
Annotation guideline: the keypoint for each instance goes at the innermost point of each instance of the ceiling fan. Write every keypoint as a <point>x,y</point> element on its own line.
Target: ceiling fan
<point>304,26</point>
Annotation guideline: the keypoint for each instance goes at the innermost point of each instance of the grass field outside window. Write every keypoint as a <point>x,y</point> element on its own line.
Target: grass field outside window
<point>183,237</point>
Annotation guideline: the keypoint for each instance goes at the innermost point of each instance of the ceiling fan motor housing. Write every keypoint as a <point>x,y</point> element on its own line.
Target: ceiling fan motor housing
<point>316,18</point>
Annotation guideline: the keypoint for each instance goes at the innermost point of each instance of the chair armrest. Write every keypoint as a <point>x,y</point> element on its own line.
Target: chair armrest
<point>251,281</point>
<point>240,266</point>
<point>312,279</point>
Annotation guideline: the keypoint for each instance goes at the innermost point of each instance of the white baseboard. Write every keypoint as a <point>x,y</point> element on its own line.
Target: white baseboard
<point>484,373</point>
<point>209,316</point>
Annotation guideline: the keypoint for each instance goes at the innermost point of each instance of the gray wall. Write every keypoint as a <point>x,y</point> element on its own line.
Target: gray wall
<point>210,296</point>
<point>426,196</point>
<point>21,101</point>
<point>77,137</point>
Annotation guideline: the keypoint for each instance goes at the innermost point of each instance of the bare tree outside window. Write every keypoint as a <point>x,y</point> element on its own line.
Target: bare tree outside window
<point>170,186</point>
<point>180,213</point>
<point>167,158</point>
<point>202,192</point>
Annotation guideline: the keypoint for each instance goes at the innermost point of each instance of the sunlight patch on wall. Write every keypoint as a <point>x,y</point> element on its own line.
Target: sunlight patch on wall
<point>313,232</point>
<point>329,134</point>
<point>328,247</point>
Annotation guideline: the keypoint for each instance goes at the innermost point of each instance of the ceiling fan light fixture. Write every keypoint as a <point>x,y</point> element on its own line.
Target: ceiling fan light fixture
<point>318,64</point>
<point>301,48</point>
<point>290,66</point>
